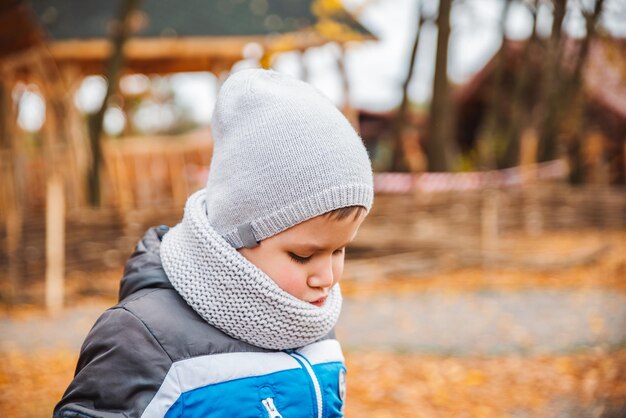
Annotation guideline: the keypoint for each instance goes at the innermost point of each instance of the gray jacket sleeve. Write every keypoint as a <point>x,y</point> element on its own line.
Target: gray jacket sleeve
<point>120,368</point>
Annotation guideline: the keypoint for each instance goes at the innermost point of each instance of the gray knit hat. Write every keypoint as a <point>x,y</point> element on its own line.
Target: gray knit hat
<point>283,153</point>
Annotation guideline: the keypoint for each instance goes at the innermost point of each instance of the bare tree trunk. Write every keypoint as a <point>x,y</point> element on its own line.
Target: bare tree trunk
<point>441,146</point>
<point>591,21</point>
<point>401,116</point>
<point>121,33</point>
<point>574,99</point>
<point>347,108</point>
<point>548,145</point>
<point>487,143</point>
<point>521,103</point>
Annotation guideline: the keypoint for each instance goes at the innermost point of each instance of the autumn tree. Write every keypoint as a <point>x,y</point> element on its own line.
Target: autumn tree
<point>401,118</point>
<point>441,147</point>
<point>574,95</point>
<point>121,32</point>
<point>491,133</point>
<point>552,86</point>
<point>521,124</point>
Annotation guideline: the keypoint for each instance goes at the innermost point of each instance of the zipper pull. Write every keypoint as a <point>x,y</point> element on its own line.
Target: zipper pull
<point>272,412</point>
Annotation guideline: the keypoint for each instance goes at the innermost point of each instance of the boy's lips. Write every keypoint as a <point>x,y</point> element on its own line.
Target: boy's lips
<point>319,302</point>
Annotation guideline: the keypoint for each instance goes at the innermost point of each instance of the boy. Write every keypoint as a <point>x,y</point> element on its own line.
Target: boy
<point>231,312</point>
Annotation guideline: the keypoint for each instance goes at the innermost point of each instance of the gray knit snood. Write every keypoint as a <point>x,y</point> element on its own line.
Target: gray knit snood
<point>234,295</point>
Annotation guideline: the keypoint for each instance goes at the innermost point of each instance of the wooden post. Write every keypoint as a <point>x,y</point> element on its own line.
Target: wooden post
<point>55,243</point>
<point>11,204</point>
<point>121,179</point>
<point>176,169</point>
<point>528,155</point>
<point>57,158</point>
<point>489,228</point>
<point>14,221</point>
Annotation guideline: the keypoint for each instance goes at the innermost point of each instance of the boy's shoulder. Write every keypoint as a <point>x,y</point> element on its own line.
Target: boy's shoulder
<point>178,329</point>
<point>147,295</point>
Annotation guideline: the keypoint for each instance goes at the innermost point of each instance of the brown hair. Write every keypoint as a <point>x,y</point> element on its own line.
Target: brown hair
<point>342,213</point>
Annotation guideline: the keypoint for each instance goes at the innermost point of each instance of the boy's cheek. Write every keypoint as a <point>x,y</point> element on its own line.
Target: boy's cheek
<point>338,271</point>
<point>290,280</point>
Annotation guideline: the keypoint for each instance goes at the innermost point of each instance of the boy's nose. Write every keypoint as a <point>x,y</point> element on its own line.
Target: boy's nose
<point>322,277</point>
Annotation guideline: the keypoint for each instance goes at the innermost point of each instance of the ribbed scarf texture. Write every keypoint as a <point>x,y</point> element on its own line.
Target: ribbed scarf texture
<point>234,295</point>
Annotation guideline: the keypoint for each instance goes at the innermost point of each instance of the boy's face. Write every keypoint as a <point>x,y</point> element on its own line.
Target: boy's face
<point>306,260</point>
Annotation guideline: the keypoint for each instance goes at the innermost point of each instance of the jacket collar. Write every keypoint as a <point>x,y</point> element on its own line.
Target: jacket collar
<point>144,269</point>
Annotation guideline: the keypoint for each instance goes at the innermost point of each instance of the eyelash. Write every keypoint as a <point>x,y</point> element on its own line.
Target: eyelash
<point>298,259</point>
<point>304,260</point>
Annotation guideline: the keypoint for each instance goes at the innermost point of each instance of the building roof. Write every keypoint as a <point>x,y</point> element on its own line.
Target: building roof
<point>191,35</point>
<point>69,19</point>
<point>604,78</point>
<point>605,74</point>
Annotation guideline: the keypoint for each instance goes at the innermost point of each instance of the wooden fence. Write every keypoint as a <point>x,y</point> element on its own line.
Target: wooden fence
<point>141,178</point>
<point>145,173</point>
<point>409,228</point>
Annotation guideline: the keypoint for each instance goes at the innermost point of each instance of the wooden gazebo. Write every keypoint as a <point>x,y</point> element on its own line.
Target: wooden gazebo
<point>51,45</point>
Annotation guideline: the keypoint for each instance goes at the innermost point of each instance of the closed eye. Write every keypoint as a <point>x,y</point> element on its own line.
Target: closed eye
<point>298,259</point>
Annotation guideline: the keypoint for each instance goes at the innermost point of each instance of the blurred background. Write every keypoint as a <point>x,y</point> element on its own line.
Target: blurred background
<point>490,277</point>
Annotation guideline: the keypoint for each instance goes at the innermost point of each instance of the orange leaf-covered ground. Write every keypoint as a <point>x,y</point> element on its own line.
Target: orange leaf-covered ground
<point>392,385</point>
<point>585,382</point>
<point>411,385</point>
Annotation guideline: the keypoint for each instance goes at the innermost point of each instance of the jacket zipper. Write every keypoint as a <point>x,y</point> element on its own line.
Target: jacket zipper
<point>272,412</point>
<point>316,384</point>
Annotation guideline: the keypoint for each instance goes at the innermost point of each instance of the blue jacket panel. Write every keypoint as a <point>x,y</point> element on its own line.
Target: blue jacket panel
<point>299,383</point>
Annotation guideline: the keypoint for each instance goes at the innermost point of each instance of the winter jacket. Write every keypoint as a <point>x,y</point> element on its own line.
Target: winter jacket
<point>151,355</point>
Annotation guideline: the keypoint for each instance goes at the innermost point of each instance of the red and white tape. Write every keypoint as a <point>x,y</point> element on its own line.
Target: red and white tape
<point>443,182</point>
